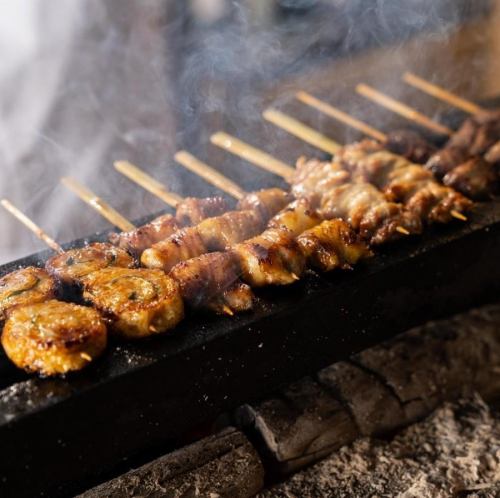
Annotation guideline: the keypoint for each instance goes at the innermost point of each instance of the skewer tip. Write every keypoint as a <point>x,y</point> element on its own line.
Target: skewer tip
<point>86,356</point>
<point>458,215</point>
<point>227,310</point>
<point>402,230</point>
<point>295,276</point>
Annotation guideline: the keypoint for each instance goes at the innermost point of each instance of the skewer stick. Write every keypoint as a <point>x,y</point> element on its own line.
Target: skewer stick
<point>300,130</point>
<point>341,116</point>
<point>209,174</point>
<point>401,109</point>
<point>147,182</point>
<point>251,154</point>
<point>19,215</point>
<point>102,207</point>
<point>441,94</point>
<point>458,215</point>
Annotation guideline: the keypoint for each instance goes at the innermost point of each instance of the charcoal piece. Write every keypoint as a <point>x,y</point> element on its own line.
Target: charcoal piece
<point>224,465</point>
<point>302,425</point>
<point>372,404</point>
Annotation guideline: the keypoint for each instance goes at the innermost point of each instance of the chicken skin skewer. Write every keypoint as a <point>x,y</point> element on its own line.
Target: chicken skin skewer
<point>364,207</point>
<point>215,234</point>
<point>403,181</point>
<point>189,211</point>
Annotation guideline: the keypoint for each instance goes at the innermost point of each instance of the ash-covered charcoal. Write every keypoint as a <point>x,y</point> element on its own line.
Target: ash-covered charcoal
<point>452,453</point>
<point>224,465</point>
<point>379,390</point>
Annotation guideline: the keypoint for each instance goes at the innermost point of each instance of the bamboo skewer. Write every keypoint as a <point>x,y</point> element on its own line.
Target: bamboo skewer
<point>402,109</point>
<point>147,182</point>
<point>300,130</point>
<point>252,154</point>
<point>102,207</point>
<point>441,93</point>
<point>31,225</point>
<point>341,116</point>
<point>209,174</point>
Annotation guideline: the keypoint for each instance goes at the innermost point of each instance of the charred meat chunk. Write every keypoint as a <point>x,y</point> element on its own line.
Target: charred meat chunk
<point>410,144</point>
<point>211,281</point>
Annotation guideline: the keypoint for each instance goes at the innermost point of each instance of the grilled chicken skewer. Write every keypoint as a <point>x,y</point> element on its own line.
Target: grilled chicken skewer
<point>69,267</point>
<point>406,143</point>
<point>136,302</point>
<point>403,181</point>
<point>378,219</point>
<point>470,160</point>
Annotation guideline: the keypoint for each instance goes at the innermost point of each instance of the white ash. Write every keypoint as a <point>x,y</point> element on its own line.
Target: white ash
<point>455,452</point>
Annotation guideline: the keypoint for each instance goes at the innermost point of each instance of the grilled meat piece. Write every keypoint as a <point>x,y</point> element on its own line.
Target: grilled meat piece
<point>409,144</point>
<point>368,211</point>
<point>477,133</point>
<point>137,302</point>
<point>266,202</point>
<point>445,160</point>
<point>332,244</point>
<point>211,281</point>
<point>476,178</point>
<point>493,154</point>
<point>403,181</point>
<point>271,258</point>
<point>298,216</point>
<point>136,241</point>
<point>212,234</point>
<point>71,266</point>
<point>314,178</point>
<point>192,210</point>
<point>53,337</point>
<point>25,286</point>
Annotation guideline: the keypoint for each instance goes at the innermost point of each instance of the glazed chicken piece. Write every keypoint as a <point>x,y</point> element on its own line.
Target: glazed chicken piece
<point>298,216</point>
<point>367,210</point>
<point>25,286</point>
<point>460,159</point>
<point>212,234</point>
<point>332,244</point>
<point>477,133</point>
<point>314,178</point>
<point>409,144</point>
<point>476,178</point>
<point>403,181</point>
<point>53,337</point>
<point>192,210</point>
<point>445,160</point>
<point>136,241</point>
<point>211,281</point>
<point>137,302</point>
<point>377,219</point>
<point>493,154</point>
<point>71,266</point>
<point>189,211</point>
<point>266,202</point>
<point>271,258</point>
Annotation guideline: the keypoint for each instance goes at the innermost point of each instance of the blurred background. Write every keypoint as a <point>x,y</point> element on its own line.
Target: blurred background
<point>86,82</point>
